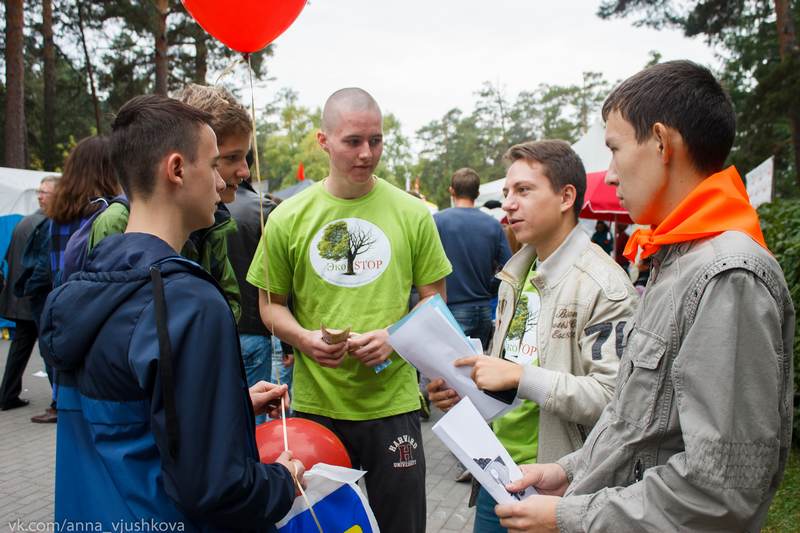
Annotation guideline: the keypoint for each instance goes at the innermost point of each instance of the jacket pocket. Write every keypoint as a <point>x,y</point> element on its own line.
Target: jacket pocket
<point>638,393</point>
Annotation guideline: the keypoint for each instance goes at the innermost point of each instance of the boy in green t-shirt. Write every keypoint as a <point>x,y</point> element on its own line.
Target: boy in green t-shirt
<point>348,250</point>
<point>562,308</point>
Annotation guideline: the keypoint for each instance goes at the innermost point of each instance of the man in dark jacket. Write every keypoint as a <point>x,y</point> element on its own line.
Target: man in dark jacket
<point>250,212</point>
<point>155,423</point>
<point>19,309</point>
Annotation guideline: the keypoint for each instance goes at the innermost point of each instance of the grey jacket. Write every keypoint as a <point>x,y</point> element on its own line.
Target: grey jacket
<point>11,307</point>
<point>697,435</point>
<point>586,300</point>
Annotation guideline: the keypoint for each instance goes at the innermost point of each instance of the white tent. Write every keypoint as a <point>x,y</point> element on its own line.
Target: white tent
<point>591,148</point>
<point>18,190</point>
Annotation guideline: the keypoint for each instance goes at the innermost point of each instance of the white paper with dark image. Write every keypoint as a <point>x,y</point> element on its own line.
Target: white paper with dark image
<point>428,340</point>
<point>469,437</point>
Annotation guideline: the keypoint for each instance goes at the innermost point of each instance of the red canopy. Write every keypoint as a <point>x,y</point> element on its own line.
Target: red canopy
<point>600,201</point>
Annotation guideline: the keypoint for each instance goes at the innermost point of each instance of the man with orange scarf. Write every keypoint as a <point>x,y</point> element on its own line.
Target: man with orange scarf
<point>698,433</point>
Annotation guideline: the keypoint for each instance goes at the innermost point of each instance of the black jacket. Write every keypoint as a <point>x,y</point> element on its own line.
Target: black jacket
<point>241,249</point>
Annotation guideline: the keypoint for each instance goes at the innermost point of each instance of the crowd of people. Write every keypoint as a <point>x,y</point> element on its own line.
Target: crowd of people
<point>667,408</point>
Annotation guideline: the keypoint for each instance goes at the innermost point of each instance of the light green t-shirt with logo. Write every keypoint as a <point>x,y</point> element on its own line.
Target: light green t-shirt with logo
<point>350,263</point>
<point>518,430</point>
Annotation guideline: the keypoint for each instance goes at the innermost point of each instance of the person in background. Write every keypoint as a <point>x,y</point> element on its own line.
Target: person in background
<point>477,248</point>
<point>602,237</point>
<point>17,309</point>
<point>250,211</point>
<point>88,174</point>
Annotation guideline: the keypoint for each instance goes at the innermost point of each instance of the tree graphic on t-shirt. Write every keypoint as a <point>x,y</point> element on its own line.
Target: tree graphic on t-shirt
<point>338,243</point>
<point>520,321</point>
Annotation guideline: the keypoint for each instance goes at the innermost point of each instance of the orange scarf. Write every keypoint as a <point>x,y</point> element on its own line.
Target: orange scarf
<point>720,203</point>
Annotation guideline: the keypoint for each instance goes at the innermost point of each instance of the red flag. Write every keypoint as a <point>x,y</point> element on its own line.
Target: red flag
<point>301,174</point>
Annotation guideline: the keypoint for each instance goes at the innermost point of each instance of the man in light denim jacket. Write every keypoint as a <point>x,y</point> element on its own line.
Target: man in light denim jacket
<point>697,435</point>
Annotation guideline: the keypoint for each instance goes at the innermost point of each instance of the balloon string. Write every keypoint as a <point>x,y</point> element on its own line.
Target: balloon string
<point>308,502</point>
<point>266,270</point>
<point>230,68</point>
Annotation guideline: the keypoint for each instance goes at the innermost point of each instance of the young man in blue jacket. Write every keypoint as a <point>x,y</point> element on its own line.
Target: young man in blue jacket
<point>155,421</point>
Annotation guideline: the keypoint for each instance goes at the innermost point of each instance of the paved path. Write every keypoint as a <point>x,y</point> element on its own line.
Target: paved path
<point>27,454</point>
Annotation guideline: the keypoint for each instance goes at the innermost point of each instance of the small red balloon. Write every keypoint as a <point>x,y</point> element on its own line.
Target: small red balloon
<point>245,25</point>
<point>309,441</point>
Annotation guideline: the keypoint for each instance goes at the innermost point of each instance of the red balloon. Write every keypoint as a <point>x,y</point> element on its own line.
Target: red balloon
<point>309,441</point>
<point>245,25</point>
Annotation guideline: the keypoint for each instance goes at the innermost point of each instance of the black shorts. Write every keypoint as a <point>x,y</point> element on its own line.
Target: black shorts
<point>390,450</point>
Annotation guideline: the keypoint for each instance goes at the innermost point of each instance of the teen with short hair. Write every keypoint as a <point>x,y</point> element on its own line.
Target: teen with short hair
<point>698,434</point>
<point>562,306</point>
<point>206,246</point>
<point>154,418</point>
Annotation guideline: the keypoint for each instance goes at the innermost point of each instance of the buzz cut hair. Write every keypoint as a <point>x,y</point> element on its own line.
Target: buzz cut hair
<point>350,99</point>
<point>228,117</point>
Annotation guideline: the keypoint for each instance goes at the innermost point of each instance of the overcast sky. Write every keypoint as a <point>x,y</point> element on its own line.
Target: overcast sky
<point>420,58</point>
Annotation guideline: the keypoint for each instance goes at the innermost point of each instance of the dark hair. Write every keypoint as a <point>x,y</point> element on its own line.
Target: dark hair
<point>88,174</point>
<point>466,183</point>
<point>561,164</point>
<point>684,96</point>
<point>146,129</point>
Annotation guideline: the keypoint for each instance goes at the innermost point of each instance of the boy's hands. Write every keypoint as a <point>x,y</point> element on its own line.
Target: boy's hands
<point>295,466</point>
<point>329,355</point>
<point>441,395</point>
<point>266,398</point>
<point>371,348</point>
<point>548,479</point>
<point>492,373</point>
<point>538,512</point>
<point>534,513</point>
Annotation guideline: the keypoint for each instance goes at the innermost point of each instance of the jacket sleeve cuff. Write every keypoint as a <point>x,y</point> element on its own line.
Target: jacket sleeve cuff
<point>568,463</point>
<point>570,512</point>
<point>536,383</point>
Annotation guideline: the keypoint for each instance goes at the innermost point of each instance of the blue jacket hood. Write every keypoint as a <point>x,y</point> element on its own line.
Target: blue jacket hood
<point>117,267</point>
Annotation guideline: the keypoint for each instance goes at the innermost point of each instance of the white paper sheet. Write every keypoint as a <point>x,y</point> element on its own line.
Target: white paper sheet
<point>428,340</point>
<point>474,444</point>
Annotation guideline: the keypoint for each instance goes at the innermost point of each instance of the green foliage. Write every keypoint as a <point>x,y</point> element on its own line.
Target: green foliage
<point>335,242</point>
<point>780,222</point>
<point>762,85</point>
<point>784,513</point>
<point>479,140</point>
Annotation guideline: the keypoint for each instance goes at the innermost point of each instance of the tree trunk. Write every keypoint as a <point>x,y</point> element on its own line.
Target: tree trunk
<point>162,67</point>
<point>89,70</point>
<point>200,57</point>
<point>49,119</point>
<point>787,43</point>
<point>15,87</point>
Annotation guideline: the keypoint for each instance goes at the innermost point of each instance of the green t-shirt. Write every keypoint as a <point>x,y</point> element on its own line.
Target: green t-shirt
<point>350,263</point>
<point>518,430</point>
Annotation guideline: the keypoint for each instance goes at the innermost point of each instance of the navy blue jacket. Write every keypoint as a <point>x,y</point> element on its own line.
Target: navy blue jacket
<point>112,457</point>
